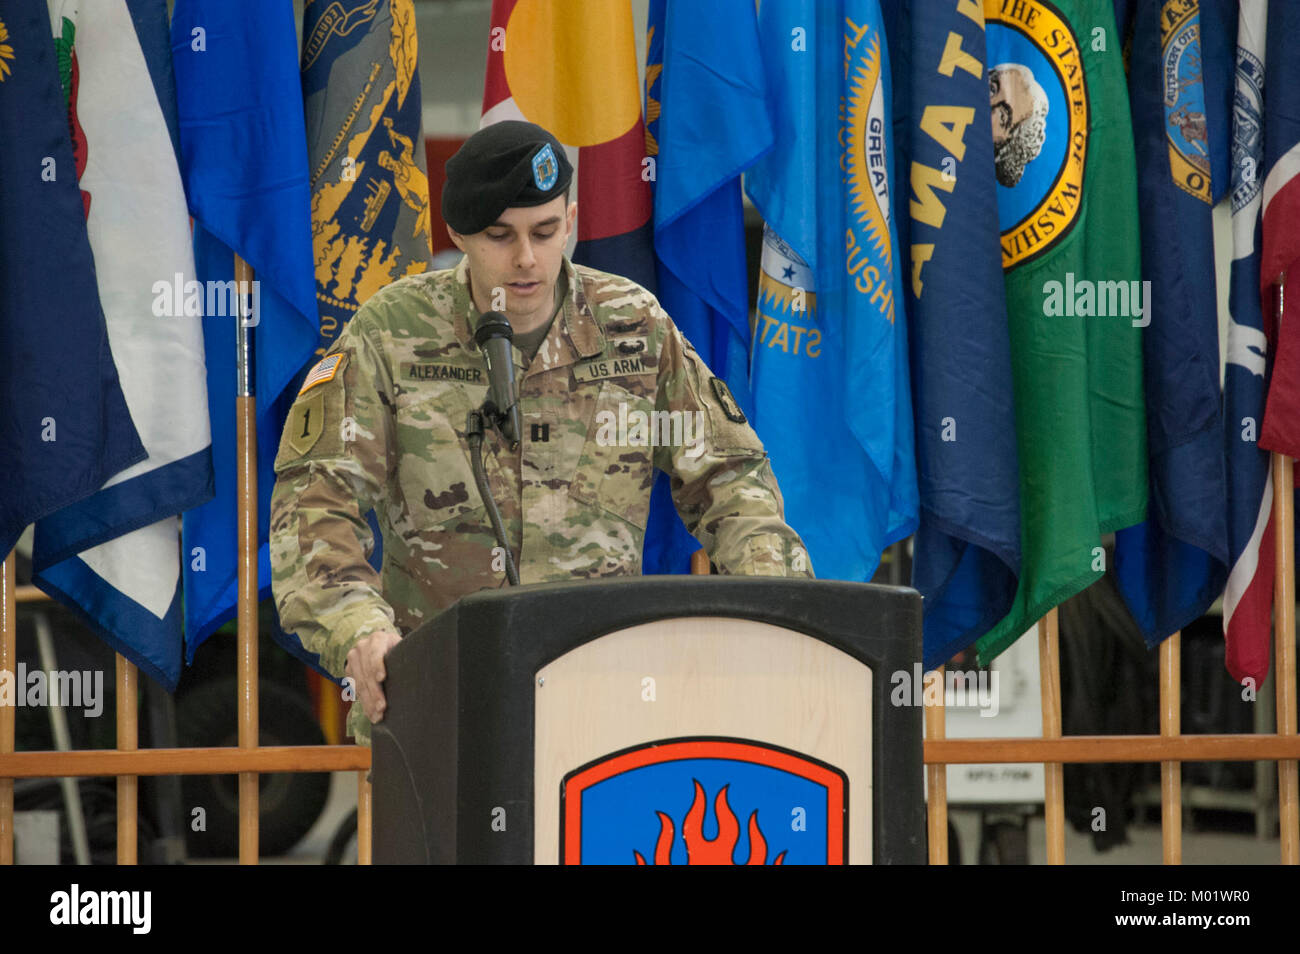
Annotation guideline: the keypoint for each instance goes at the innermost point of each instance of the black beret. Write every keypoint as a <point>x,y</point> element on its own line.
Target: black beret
<point>507,164</point>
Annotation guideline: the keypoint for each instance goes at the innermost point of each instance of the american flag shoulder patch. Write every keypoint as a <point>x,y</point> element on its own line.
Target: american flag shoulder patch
<point>324,371</point>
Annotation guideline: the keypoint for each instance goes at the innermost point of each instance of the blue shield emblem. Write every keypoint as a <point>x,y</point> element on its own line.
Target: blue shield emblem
<point>546,169</point>
<point>704,801</point>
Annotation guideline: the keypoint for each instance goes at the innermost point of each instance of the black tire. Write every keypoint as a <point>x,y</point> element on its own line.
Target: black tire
<point>1004,843</point>
<point>289,802</point>
<point>343,846</point>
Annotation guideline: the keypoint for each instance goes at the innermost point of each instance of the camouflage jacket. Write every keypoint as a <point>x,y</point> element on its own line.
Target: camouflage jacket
<point>613,392</point>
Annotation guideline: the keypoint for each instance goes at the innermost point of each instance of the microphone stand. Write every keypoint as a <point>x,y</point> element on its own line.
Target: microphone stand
<point>474,428</point>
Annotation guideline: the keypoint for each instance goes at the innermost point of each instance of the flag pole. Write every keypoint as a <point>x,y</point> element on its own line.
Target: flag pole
<point>364,829</point>
<point>246,501</point>
<point>1284,653</point>
<point>936,780</point>
<point>8,659</point>
<point>1171,773</point>
<point>128,738</point>
<point>1284,633</point>
<point>1049,665</point>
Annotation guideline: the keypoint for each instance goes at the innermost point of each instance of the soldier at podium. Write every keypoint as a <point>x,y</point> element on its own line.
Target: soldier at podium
<point>609,390</point>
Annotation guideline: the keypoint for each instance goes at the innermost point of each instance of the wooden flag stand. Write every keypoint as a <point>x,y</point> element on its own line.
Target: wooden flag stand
<point>1284,655</point>
<point>249,760</point>
<point>936,776</point>
<point>246,491</point>
<point>1171,773</point>
<point>8,658</point>
<point>1049,664</point>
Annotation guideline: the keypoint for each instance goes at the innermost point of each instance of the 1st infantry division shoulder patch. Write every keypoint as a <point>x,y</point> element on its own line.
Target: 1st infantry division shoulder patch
<point>306,422</point>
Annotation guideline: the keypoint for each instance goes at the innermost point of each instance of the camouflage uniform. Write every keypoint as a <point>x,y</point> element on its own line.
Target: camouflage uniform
<point>384,427</point>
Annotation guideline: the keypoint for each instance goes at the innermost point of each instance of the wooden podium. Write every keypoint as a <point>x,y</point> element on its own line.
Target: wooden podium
<point>655,720</point>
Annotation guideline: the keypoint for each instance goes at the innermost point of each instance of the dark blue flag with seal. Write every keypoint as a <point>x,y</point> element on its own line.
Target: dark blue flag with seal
<point>369,182</point>
<point>966,553</point>
<point>1171,567</point>
<point>706,121</point>
<point>64,424</point>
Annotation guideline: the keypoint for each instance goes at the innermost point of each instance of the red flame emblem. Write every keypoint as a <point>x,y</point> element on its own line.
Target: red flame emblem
<point>710,851</point>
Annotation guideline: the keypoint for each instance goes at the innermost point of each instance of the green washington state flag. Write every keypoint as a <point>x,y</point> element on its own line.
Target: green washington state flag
<point>1067,211</point>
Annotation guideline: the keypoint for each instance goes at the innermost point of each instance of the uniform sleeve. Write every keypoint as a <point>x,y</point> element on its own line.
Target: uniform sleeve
<point>334,459</point>
<point>722,481</point>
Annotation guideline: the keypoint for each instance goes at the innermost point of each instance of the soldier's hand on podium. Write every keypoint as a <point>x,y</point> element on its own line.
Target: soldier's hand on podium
<point>365,664</point>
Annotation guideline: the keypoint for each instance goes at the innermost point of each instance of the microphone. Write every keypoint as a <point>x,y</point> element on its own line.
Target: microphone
<point>494,335</point>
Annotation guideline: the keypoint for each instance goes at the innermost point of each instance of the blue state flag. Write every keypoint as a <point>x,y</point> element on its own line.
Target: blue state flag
<point>369,186</point>
<point>1248,595</point>
<point>966,554</point>
<point>115,557</point>
<point>1171,567</point>
<point>244,161</point>
<point>830,378</point>
<point>64,425</point>
<point>706,122</point>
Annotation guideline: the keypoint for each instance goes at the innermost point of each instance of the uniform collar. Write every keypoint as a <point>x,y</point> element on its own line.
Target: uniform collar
<point>574,335</point>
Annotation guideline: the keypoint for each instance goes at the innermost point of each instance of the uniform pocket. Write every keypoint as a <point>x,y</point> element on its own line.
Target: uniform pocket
<point>433,468</point>
<point>616,468</point>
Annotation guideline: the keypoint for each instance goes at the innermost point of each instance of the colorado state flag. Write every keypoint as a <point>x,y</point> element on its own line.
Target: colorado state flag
<point>571,69</point>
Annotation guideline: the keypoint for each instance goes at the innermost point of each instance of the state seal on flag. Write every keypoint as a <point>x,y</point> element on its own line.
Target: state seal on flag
<point>870,250</point>
<point>1184,98</point>
<point>546,169</point>
<point>702,801</point>
<point>1040,126</point>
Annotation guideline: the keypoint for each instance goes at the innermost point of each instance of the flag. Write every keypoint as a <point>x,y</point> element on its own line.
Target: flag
<point>832,399</point>
<point>64,424</point>
<point>1067,208</point>
<point>1280,253</point>
<point>1217,42</point>
<point>369,184</point>
<point>1170,568</point>
<point>1248,597</point>
<point>1218,38</point>
<point>571,69</point>
<point>966,552</point>
<point>369,181</point>
<point>115,557</point>
<point>706,111</point>
<point>244,162</point>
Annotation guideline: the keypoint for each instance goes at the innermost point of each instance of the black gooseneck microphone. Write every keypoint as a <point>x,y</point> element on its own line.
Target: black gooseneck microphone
<point>501,410</point>
<point>494,335</point>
